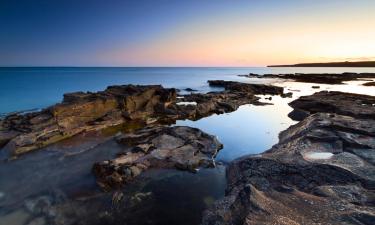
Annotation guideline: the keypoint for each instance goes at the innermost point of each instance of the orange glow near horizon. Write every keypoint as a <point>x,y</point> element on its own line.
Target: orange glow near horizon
<point>236,40</point>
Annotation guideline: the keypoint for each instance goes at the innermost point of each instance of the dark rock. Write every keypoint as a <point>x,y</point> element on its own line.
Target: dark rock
<point>190,90</point>
<point>258,89</point>
<point>150,104</point>
<point>298,114</point>
<point>167,147</point>
<point>361,106</point>
<point>320,172</point>
<point>234,95</point>
<point>323,78</point>
<point>369,84</point>
<point>315,87</point>
<point>287,95</point>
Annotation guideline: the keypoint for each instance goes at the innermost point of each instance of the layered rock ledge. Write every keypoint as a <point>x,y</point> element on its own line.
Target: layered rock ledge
<point>323,78</point>
<point>150,104</point>
<point>81,112</point>
<point>356,105</point>
<point>369,83</point>
<point>178,147</point>
<point>322,171</point>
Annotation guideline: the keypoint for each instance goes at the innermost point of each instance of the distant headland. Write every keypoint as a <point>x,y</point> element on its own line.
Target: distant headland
<point>331,64</point>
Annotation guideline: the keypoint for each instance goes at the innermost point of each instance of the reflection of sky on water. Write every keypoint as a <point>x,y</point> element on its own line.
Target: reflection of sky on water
<point>30,88</point>
<point>254,129</point>
<point>178,197</point>
<point>249,130</point>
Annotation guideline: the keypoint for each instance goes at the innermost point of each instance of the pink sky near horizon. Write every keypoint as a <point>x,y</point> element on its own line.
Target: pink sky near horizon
<point>238,39</point>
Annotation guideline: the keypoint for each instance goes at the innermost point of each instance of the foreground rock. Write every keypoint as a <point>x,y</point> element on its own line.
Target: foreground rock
<point>178,147</point>
<point>322,171</point>
<point>81,112</point>
<point>323,78</point>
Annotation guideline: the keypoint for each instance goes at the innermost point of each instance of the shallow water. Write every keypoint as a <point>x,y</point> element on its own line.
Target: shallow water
<point>319,155</point>
<point>55,184</point>
<point>33,88</point>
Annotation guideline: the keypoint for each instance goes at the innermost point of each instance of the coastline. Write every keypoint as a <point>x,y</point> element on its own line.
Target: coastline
<point>229,102</point>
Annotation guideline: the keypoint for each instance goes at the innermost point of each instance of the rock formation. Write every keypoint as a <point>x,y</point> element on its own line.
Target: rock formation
<point>372,83</point>
<point>79,112</point>
<point>359,106</point>
<point>320,172</point>
<point>323,78</point>
<point>178,147</point>
<point>83,112</point>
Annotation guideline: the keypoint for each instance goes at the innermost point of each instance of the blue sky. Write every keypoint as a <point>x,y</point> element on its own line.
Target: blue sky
<point>183,33</point>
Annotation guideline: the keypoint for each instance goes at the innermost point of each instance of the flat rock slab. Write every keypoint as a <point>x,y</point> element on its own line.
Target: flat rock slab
<point>178,147</point>
<point>320,172</point>
<point>369,83</point>
<point>355,105</point>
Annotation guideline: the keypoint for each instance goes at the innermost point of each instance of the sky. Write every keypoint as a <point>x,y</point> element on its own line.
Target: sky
<point>184,33</point>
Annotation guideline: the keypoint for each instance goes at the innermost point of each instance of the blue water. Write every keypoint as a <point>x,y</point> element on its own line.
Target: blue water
<point>62,172</point>
<point>31,88</point>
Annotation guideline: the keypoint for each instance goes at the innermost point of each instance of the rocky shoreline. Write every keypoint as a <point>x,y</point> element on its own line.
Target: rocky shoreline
<point>151,104</point>
<point>320,78</point>
<point>320,172</point>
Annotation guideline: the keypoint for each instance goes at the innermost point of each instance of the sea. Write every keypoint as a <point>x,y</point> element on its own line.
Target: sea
<point>55,185</point>
<point>30,88</point>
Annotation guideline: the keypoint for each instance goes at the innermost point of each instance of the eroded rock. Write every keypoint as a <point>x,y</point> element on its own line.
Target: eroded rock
<point>320,172</point>
<point>322,78</point>
<point>83,112</point>
<point>356,105</point>
<point>150,104</point>
<point>178,147</point>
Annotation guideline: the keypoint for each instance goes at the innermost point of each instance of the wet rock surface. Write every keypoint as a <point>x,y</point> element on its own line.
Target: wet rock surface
<point>234,95</point>
<point>369,84</point>
<point>320,172</point>
<point>359,106</point>
<point>151,104</point>
<point>323,78</point>
<point>81,112</point>
<point>178,147</point>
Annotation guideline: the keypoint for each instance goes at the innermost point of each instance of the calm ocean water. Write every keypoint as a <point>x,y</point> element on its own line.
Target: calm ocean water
<point>60,175</point>
<point>32,88</point>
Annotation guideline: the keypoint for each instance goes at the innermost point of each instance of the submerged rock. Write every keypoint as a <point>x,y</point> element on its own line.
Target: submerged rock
<point>178,147</point>
<point>286,185</point>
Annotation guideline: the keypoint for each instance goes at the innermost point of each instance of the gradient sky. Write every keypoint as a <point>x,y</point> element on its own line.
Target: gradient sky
<point>184,33</point>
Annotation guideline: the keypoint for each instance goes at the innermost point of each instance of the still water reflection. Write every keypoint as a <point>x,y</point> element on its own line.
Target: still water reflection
<point>56,186</point>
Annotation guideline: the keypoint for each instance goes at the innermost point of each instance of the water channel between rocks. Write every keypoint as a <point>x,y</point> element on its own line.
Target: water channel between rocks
<point>56,186</point>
